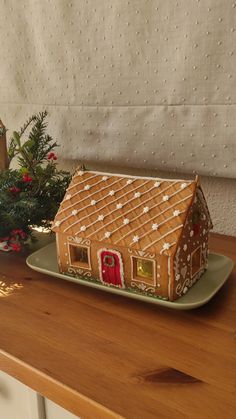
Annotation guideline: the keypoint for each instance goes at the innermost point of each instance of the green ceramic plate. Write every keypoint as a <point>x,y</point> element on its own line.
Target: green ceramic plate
<point>219,269</point>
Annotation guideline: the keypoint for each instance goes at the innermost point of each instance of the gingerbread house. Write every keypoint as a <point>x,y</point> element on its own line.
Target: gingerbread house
<point>142,234</point>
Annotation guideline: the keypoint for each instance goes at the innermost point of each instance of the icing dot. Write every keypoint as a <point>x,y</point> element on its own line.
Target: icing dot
<point>183,185</point>
<point>166,246</point>
<point>87,187</point>
<point>185,247</point>
<point>185,290</point>
<point>129,181</point>
<point>145,210</point>
<point>68,196</point>
<point>111,193</point>
<point>177,277</point>
<point>74,212</point>
<point>135,239</point>
<point>80,173</point>
<point>104,178</point>
<point>157,184</point>
<point>57,223</point>
<point>107,234</point>
<point>176,213</point>
<point>93,202</point>
<point>165,198</point>
<point>82,228</point>
<point>191,233</point>
<point>154,226</point>
<point>137,194</point>
<point>119,206</point>
<point>126,221</point>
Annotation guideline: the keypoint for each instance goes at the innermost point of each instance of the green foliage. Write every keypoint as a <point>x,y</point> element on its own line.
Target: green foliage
<point>31,195</point>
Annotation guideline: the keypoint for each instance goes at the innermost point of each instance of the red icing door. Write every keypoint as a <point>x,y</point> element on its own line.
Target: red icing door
<point>110,266</point>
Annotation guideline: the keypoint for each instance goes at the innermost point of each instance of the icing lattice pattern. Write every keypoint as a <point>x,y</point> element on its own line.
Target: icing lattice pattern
<point>140,213</point>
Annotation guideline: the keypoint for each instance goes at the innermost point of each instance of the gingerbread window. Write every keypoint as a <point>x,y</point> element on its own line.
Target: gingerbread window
<point>79,256</point>
<point>196,261</point>
<point>143,270</point>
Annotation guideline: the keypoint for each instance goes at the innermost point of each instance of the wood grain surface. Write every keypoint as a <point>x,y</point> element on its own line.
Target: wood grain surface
<point>104,356</point>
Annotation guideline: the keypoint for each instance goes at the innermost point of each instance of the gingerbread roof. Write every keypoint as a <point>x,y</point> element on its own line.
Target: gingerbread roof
<point>140,213</point>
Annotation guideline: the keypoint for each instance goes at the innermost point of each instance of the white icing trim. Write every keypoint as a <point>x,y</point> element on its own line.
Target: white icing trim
<point>86,197</point>
<point>118,254</point>
<point>139,279</point>
<point>130,210</point>
<point>162,237</point>
<point>77,265</point>
<point>154,230</point>
<point>79,183</point>
<point>169,276</point>
<point>170,245</point>
<point>150,219</point>
<point>140,177</point>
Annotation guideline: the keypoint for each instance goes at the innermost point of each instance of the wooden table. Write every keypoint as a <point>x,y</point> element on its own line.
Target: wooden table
<point>104,356</point>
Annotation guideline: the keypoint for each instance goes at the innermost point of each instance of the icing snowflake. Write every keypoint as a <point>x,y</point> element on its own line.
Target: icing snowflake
<point>119,206</point>
<point>176,213</point>
<point>57,223</point>
<point>82,228</point>
<point>107,234</point>
<point>157,184</point>
<point>135,239</point>
<point>183,185</point>
<point>111,193</point>
<point>137,194</point>
<point>129,181</point>
<point>154,226</point>
<point>93,202</point>
<point>145,210</point>
<point>104,178</point>
<point>68,196</point>
<point>166,198</point>
<point>101,217</point>
<point>126,221</point>
<point>166,246</point>
<point>80,173</point>
<point>74,212</point>
<point>87,187</point>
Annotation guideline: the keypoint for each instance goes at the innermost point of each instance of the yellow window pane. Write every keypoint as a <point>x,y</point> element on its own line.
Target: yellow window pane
<point>144,268</point>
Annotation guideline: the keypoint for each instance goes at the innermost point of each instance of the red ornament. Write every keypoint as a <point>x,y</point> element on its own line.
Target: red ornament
<point>26,178</point>
<point>52,156</point>
<point>15,246</point>
<point>14,190</point>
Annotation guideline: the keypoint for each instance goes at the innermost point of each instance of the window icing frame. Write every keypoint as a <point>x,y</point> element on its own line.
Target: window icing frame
<point>139,278</point>
<point>80,265</point>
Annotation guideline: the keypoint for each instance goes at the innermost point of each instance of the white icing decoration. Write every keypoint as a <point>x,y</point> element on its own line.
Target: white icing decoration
<point>154,226</point>
<point>135,239</point>
<point>112,192</point>
<point>57,223</point>
<point>83,228</point>
<point>176,213</point>
<point>188,258</point>
<point>166,246</point>
<point>137,194</point>
<point>87,187</point>
<point>119,206</point>
<point>104,178</point>
<point>145,210</point>
<point>93,202</point>
<point>177,277</point>
<point>157,184</point>
<point>129,181</point>
<point>80,173</point>
<point>185,290</point>
<point>126,221</point>
<point>74,212</point>
<point>185,247</point>
<point>183,185</point>
<point>191,233</point>
<point>68,196</point>
<point>107,234</point>
<point>101,217</point>
<point>166,198</point>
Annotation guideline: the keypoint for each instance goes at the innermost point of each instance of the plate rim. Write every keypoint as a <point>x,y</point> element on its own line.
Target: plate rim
<point>177,304</point>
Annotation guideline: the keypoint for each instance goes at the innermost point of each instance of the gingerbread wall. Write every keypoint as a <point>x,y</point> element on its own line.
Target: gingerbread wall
<point>195,235</point>
<point>160,262</point>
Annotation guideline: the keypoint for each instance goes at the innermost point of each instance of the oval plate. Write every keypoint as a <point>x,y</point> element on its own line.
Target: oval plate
<point>44,260</point>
